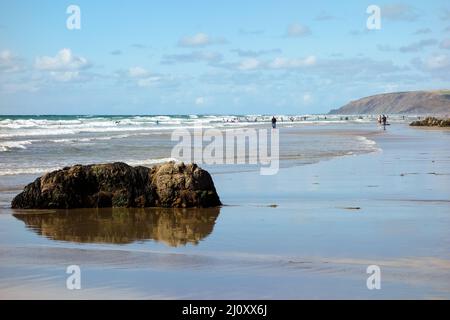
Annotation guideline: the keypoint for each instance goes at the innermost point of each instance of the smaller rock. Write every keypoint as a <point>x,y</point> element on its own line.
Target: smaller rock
<point>431,122</point>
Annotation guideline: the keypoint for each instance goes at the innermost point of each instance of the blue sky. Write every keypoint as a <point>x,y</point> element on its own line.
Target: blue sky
<point>216,57</point>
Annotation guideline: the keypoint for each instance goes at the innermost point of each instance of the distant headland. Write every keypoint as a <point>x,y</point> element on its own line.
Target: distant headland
<point>413,102</point>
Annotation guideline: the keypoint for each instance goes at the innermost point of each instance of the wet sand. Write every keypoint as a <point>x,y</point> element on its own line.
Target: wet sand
<point>308,232</point>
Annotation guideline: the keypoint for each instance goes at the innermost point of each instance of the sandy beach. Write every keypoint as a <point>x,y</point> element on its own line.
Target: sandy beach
<point>308,232</point>
<point>255,153</point>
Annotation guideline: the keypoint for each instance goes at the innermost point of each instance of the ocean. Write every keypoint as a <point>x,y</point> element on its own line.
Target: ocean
<point>32,145</point>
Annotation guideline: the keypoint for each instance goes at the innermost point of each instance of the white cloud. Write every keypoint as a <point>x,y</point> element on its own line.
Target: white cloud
<point>65,76</point>
<point>437,62</point>
<point>390,87</point>
<point>138,73</point>
<point>196,56</point>
<point>142,77</point>
<point>310,61</point>
<point>62,62</point>
<point>287,63</point>
<point>297,30</point>
<point>279,63</point>
<point>307,98</point>
<point>437,65</point>
<point>255,53</point>
<point>197,40</point>
<point>249,64</point>
<point>148,82</point>
<point>9,62</point>
<point>200,101</point>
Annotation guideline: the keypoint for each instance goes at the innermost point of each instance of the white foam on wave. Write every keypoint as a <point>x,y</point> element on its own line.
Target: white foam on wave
<point>35,123</point>
<point>56,132</point>
<point>32,170</point>
<point>8,145</point>
<point>89,139</point>
<point>41,170</point>
<point>22,128</point>
<point>368,144</point>
<point>37,132</point>
<point>150,162</point>
<point>52,127</point>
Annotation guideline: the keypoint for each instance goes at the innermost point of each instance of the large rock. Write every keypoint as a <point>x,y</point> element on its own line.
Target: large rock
<point>431,122</point>
<point>120,185</point>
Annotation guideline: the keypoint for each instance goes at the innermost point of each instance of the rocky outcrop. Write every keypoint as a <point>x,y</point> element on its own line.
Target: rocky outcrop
<point>414,102</point>
<point>120,185</point>
<point>431,122</point>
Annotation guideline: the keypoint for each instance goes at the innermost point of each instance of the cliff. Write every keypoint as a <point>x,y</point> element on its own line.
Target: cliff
<point>414,102</point>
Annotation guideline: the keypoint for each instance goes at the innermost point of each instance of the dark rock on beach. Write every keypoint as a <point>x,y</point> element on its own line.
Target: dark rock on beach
<point>120,185</point>
<point>431,122</point>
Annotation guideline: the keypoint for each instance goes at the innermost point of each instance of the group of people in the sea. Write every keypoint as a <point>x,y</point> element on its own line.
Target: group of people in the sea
<point>274,119</point>
<point>382,120</point>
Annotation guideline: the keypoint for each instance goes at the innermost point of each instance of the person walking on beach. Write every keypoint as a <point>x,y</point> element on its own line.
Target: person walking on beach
<point>384,119</point>
<point>274,122</point>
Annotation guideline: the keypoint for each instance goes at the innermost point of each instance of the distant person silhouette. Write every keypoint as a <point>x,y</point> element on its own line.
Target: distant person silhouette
<point>274,122</point>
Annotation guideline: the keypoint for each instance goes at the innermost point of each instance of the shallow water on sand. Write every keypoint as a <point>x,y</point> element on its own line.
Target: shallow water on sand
<point>308,232</point>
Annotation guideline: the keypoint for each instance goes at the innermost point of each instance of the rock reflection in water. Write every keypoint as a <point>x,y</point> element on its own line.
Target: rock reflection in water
<point>174,227</point>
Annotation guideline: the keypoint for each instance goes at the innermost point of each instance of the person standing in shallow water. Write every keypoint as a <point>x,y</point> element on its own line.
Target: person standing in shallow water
<point>384,119</point>
<point>274,122</point>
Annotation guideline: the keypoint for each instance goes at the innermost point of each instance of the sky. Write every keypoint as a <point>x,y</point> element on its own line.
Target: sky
<point>216,57</point>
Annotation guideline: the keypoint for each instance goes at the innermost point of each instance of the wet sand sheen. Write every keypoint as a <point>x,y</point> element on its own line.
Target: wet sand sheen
<point>174,227</point>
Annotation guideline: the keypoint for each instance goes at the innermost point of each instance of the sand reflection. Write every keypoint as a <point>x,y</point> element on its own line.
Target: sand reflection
<point>175,227</point>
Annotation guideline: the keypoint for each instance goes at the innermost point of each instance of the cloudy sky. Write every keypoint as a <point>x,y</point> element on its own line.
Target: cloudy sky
<point>216,57</point>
